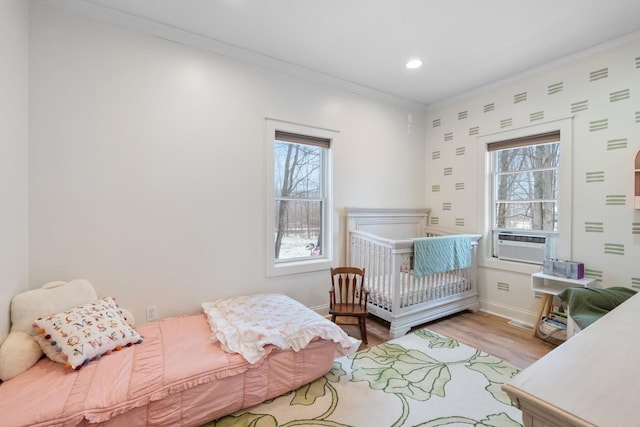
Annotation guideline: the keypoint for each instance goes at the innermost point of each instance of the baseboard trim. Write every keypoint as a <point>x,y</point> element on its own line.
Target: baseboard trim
<point>515,314</point>
<point>519,317</point>
<point>519,324</point>
<point>322,310</point>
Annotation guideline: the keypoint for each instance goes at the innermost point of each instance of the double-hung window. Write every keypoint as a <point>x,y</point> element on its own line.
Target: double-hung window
<point>528,197</point>
<point>525,183</point>
<point>299,235</point>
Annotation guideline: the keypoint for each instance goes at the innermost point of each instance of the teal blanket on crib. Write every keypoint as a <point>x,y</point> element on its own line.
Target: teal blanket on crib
<point>442,253</point>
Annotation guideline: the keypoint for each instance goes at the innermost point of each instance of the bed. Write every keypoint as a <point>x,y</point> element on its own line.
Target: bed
<point>382,242</point>
<point>176,376</point>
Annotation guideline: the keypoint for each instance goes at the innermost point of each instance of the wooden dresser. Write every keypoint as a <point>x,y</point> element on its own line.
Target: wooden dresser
<point>591,380</point>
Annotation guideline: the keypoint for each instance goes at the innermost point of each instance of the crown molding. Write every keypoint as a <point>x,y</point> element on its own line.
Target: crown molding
<point>565,60</point>
<point>119,18</point>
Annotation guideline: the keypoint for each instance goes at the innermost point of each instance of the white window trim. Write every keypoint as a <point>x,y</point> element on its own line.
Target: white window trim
<point>565,198</point>
<point>325,261</point>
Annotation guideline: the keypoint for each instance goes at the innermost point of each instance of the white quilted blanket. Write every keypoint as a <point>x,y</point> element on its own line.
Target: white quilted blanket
<point>246,324</point>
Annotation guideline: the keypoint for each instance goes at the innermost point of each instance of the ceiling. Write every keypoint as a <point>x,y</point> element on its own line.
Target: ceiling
<point>364,44</point>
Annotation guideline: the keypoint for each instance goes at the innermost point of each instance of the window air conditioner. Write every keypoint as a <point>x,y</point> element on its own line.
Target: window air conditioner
<point>522,247</point>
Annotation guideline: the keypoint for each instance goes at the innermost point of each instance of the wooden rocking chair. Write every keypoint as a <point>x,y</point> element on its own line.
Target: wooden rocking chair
<point>348,297</point>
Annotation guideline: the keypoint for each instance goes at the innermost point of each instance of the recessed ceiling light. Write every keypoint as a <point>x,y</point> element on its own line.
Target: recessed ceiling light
<point>414,63</point>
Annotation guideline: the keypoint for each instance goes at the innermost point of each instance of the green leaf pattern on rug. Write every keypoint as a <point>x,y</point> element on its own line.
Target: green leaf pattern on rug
<point>495,371</point>
<point>335,373</point>
<point>499,420</point>
<point>406,373</point>
<point>248,420</point>
<point>495,420</point>
<point>308,394</point>
<point>394,369</point>
<point>435,340</point>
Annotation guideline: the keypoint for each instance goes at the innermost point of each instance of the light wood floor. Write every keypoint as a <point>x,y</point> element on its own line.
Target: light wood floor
<point>486,332</point>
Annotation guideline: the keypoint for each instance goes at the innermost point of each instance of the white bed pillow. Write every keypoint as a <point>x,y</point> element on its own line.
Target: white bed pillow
<point>20,351</point>
<point>50,298</point>
<point>78,335</point>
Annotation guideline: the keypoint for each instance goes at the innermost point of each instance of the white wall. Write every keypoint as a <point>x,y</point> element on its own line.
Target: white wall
<point>601,87</point>
<point>147,164</point>
<point>14,44</point>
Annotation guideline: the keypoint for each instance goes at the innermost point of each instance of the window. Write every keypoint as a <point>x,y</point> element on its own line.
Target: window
<point>299,231</point>
<point>299,195</point>
<point>528,186</point>
<point>525,183</point>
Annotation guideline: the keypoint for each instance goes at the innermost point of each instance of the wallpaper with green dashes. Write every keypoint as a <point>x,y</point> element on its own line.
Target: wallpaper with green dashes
<point>602,93</point>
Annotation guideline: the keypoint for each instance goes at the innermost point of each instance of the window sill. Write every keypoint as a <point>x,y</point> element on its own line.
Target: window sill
<point>297,267</point>
<point>511,266</point>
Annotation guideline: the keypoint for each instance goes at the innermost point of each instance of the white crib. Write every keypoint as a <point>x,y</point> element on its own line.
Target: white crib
<point>381,241</point>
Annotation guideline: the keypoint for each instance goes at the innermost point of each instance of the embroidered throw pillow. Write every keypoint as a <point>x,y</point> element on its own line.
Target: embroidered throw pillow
<point>76,336</point>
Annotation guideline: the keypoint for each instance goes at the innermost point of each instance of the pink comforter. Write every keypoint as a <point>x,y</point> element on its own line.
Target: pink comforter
<point>176,377</point>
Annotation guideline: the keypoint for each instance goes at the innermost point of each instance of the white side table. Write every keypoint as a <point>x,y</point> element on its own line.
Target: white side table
<point>550,286</point>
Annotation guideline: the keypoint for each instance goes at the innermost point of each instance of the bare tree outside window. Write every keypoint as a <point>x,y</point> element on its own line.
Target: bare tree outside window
<point>526,187</point>
<point>528,197</point>
<point>299,194</point>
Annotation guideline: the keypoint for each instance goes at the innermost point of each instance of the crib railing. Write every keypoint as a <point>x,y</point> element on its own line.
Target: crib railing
<point>389,273</point>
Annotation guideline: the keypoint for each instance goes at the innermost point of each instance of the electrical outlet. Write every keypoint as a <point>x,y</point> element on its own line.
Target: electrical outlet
<point>152,312</point>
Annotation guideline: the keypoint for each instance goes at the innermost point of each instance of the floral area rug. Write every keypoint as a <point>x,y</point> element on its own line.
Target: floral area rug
<point>421,379</point>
